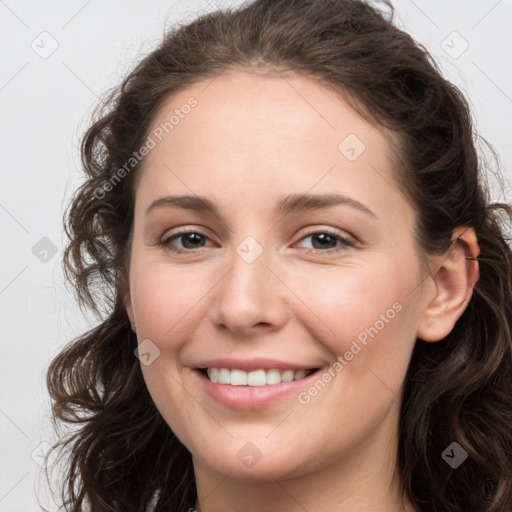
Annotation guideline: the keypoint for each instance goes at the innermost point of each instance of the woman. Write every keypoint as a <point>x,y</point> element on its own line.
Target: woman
<point>309,288</point>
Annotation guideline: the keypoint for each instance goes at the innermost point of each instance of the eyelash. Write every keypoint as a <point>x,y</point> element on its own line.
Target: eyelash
<point>345,242</point>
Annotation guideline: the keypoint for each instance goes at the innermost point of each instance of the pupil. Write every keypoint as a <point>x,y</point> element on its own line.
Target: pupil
<point>190,236</point>
<point>326,238</point>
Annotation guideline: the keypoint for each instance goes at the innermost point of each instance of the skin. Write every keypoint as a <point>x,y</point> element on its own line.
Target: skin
<point>251,140</point>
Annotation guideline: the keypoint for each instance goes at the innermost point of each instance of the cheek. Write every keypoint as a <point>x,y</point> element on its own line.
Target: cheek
<point>371,333</point>
<point>348,300</point>
<point>167,301</point>
<point>337,304</point>
<point>164,299</point>
<point>370,323</point>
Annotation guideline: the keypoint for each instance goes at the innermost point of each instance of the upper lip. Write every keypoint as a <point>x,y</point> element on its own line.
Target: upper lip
<point>253,364</point>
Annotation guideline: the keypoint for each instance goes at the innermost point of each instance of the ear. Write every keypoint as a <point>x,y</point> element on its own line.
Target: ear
<point>454,277</point>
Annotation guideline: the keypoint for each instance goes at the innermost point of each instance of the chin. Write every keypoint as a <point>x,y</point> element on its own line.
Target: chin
<point>258,462</point>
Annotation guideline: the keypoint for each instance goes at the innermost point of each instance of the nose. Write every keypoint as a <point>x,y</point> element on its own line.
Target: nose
<point>251,298</point>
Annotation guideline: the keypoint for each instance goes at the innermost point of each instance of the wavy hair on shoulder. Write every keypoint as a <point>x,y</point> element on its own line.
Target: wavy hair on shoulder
<point>123,457</point>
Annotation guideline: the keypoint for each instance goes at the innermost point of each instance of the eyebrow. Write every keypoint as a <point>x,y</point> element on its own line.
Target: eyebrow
<point>292,203</point>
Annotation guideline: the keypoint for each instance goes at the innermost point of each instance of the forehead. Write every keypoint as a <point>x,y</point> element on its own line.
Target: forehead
<point>249,131</point>
<point>253,106</point>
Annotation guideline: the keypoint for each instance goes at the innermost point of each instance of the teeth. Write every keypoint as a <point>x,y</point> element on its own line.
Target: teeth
<point>237,378</point>
<point>287,375</point>
<point>254,378</point>
<point>224,376</point>
<point>273,377</point>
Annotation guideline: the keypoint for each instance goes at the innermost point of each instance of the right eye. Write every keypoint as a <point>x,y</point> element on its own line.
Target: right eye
<point>189,241</point>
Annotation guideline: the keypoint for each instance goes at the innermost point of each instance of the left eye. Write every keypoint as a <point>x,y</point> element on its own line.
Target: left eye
<point>325,239</point>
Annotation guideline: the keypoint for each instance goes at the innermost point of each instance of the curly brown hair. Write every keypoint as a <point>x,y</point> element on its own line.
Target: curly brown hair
<point>122,454</point>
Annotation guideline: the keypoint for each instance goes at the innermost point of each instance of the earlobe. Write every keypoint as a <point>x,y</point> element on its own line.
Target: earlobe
<point>454,280</point>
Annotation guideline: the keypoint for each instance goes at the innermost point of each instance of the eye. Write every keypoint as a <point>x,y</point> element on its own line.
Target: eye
<point>190,240</point>
<point>325,240</point>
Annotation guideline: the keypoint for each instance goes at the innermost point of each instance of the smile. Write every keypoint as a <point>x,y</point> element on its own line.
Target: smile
<point>261,377</point>
<point>252,390</point>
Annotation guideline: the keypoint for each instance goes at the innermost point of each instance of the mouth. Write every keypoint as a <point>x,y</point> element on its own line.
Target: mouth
<point>254,390</point>
<point>253,384</point>
<point>255,378</point>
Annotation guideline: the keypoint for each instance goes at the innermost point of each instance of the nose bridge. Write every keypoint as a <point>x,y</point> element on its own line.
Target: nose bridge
<point>249,294</point>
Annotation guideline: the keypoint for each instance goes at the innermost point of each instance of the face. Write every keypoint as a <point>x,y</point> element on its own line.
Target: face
<point>247,278</point>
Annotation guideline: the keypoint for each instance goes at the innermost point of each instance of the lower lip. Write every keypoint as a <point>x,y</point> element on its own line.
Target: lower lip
<point>252,397</point>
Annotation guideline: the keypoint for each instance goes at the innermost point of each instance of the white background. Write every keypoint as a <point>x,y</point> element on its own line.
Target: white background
<point>44,104</point>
